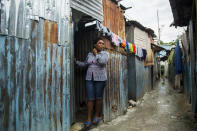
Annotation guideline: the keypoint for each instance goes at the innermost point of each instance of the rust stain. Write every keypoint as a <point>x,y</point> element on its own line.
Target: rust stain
<point>50,67</point>
<point>45,33</point>
<point>50,33</point>
<point>53,33</point>
<point>114,18</point>
<point>61,86</point>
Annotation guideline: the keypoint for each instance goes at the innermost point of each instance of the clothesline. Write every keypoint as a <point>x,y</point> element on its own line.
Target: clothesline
<point>118,41</point>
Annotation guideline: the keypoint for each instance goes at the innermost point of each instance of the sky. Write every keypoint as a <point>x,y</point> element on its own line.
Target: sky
<point>145,12</point>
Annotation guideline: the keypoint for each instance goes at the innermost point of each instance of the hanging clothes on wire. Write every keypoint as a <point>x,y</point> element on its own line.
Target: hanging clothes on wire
<point>134,49</point>
<point>139,52</point>
<point>178,60</point>
<point>115,39</point>
<point>124,44</point>
<point>127,46</point>
<point>130,48</point>
<point>144,54</point>
<point>120,41</point>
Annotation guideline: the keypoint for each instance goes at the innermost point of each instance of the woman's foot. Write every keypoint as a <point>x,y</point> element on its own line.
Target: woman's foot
<point>95,121</point>
<point>87,126</point>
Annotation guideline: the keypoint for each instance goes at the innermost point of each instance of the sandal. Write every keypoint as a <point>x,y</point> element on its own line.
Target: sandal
<point>87,126</point>
<point>95,121</point>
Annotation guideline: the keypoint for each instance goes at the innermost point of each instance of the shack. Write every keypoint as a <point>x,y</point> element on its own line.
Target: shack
<point>140,65</point>
<point>184,13</point>
<point>92,19</point>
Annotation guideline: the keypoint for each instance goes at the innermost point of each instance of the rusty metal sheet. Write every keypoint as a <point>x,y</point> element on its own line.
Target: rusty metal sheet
<point>50,33</point>
<point>114,18</point>
<point>35,81</point>
<point>116,91</point>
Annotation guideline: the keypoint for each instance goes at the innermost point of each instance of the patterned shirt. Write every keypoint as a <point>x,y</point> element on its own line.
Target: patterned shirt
<point>96,66</point>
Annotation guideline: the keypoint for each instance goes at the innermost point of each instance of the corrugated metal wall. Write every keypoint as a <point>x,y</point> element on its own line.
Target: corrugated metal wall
<point>187,80</point>
<point>114,18</point>
<point>35,65</point>
<point>192,66</point>
<point>92,8</point>
<point>141,39</point>
<point>116,91</point>
<point>140,77</point>
<point>17,14</point>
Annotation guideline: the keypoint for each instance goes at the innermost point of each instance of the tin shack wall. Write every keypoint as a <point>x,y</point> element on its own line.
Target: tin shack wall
<point>116,92</point>
<point>186,64</point>
<point>35,56</point>
<point>192,43</point>
<point>114,18</point>
<point>139,76</point>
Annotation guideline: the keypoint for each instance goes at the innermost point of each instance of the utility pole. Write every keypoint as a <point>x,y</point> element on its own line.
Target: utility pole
<point>159,42</point>
<point>158,27</point>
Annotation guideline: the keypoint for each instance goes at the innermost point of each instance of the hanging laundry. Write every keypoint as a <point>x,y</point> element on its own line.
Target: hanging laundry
<point>124,44</point>
<point>127,46</point>
<point>115,39</point>
<point>104,30</point>
<point>139,52</point>
<point>109,34</point>
<point>134,49</point>
<point>130,48</point>
<point>144,54</point>
<point>99,26</point>
<point>178,60</point>
<point>119,40</point>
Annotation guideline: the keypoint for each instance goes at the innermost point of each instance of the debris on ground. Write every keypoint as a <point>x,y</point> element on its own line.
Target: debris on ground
<point>77,126</point>
<point>132,103</point>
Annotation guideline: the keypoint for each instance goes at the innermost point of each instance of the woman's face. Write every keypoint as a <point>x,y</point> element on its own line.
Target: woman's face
<point>99,45</point>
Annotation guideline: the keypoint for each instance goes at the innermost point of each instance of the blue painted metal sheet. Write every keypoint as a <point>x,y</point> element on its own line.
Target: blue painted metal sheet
<point>35,81</point>
<point>116,92</point>
<point>187,80</point>
<point>131,77</point>
<point>192,66</point>
<point>140,80</point>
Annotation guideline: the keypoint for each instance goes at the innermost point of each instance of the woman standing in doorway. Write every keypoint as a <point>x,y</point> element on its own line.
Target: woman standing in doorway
<point>96,78</point>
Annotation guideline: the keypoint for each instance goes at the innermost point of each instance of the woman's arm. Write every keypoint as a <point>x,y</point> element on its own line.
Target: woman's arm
<point>81,64</point>
<point>85,63</point>
<point>102,58</point>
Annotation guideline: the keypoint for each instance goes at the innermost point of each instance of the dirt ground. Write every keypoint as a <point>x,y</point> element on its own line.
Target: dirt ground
<point>162,109</point>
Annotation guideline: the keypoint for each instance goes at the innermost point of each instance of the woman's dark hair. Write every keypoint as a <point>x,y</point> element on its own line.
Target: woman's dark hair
<point>97,39</point>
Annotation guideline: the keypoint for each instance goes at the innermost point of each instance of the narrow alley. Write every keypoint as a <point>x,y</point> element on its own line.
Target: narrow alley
<point>100,65</point>
<point>163,109</point>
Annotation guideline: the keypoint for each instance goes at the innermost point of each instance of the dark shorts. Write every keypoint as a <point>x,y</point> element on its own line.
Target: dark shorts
<point>94,89</point>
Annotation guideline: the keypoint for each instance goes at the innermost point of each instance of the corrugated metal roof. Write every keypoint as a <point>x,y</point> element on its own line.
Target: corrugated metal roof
<point>92,8</point>
<point>181,10</point>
